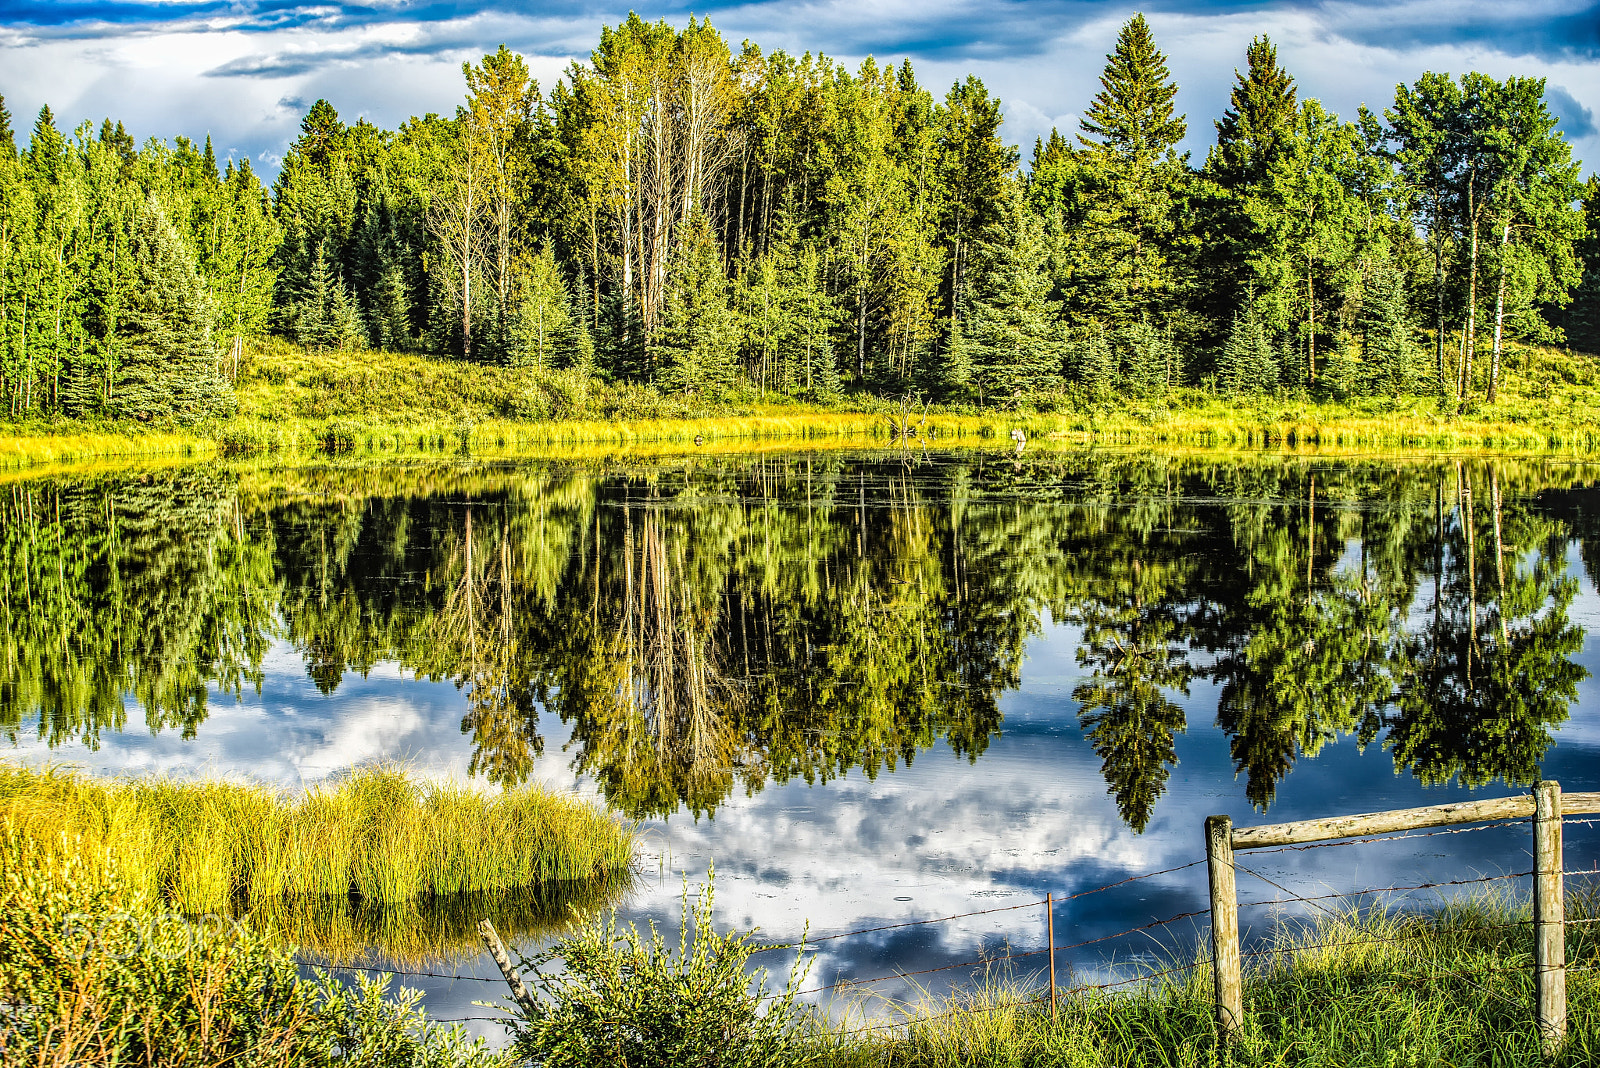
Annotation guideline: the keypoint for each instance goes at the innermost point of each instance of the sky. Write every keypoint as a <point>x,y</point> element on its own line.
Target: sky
<point>244,71</point>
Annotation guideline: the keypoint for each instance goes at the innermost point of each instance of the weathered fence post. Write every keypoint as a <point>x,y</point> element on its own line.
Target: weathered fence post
<point>1050,936</point>
<point>1225,965</point>
<point>1549,918</point>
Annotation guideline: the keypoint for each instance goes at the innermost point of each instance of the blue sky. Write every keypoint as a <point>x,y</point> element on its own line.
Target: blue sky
<point>244,71</point>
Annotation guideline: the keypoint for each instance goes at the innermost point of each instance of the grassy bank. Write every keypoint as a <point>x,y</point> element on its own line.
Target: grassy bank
<point>205,846</point>
<point>1453,987</point>
<point>293,403</point>
<point>1375,990</point>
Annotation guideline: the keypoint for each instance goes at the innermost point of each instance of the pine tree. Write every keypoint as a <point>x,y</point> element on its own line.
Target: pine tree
<point>696,345</point>
<point>1388,348</point>
<point>391,311</point>
<point>167,366</point>
<point>1258,122</point>
<point>1012,328</point>
<point>8,136</point>
<point>1149,361</point>
<point>314,326</point>
<point>1247,364</point>
<point>1092,365</point>
<point>1132,178</point>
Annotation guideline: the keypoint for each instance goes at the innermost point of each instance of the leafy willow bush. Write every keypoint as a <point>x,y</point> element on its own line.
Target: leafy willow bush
<point>626,999</point>
<point>95,975</point>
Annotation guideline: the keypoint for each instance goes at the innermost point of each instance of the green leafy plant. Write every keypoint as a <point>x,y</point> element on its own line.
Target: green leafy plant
<point>627,999</point>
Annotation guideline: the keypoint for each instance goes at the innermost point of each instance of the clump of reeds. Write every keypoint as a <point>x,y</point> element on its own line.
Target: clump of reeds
<point>377,834</point>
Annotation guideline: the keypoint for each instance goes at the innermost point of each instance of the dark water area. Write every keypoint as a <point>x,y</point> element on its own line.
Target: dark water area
<point>870,688</point>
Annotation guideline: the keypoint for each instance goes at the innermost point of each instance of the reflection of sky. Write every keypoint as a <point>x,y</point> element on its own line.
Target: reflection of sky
<point>935,838</point>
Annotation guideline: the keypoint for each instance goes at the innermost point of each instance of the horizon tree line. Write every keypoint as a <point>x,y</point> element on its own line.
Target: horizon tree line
<point>710,221</point>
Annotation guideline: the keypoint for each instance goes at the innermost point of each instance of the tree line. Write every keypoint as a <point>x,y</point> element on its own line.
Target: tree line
<point>711,220</point>
<point>712,628</point>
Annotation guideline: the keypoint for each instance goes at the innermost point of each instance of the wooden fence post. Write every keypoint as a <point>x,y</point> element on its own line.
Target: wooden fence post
<point>1549,918</point>
<point>1050,935</point>
<point>1225,965</point>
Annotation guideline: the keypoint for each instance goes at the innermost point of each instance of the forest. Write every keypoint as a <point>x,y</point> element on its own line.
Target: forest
<point>709,221</point>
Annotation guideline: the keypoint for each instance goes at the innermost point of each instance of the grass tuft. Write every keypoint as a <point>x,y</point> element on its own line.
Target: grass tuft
<point>377,834</point>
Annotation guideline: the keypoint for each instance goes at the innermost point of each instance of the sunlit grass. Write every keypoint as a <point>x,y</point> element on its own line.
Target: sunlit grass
<point>295,404</point>
<point>1451,987</point>
<point>377,834</point>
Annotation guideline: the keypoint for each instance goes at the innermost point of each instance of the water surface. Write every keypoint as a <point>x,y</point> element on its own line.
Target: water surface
<point>869,688</point>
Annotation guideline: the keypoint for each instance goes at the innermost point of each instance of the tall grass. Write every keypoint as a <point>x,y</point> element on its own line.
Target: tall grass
<point>377,834</point>
<point>294,403</point>
<point>1380,990</point>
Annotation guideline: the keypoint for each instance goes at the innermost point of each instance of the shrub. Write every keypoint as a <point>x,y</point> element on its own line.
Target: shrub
<point>93,975</point>
<point>628,1000</point>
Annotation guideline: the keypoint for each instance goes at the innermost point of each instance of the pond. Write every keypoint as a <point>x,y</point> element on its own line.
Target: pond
<point>870,688</point>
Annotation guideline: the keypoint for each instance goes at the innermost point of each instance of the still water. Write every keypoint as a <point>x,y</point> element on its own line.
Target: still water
<point>870,688</point>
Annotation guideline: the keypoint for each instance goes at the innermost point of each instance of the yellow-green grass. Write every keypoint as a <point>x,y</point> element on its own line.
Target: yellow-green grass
<point>294,403</point>
<point>206,846</point>
<point>1453,987</point>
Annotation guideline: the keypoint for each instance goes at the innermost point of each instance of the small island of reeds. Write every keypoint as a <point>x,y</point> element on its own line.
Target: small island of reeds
<point>377,834</point>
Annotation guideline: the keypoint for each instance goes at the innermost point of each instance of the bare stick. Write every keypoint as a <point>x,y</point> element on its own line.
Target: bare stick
<point>497,950</point>
<point>1050,934</point>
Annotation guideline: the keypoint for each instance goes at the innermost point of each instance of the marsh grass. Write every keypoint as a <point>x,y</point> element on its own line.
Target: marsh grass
<point>377,834</point>
<point>1375,990</point>
<point>295,404</point>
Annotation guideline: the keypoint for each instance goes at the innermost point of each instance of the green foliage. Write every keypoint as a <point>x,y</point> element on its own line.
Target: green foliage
<point>203,846</point>
<point>1247,363</point>
<point>629,999</point>
<point>696,345</point>
<point>97,975</point>
<point>1388,348</point>
<point>1010,333</point>
<point>166,364</point>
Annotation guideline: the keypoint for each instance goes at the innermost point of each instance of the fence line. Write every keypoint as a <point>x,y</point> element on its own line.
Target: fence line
<point>1545,807</point>
<point>1221,841</point>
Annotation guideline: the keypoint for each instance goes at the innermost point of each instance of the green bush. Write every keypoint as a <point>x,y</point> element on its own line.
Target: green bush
<point>624,999</point>
<point>95,975</point>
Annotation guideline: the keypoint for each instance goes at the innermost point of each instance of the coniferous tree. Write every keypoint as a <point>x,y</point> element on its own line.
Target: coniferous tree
<point>166,363</point>
<point>1150,364</point>
<point>8,136</point>
<point>1580,320</point>
<point>696,344</point>
<point>1258,122</point>
<point>1128,254</point>
<point>1247,363</point>
<point>1012,329</point>
<point>1091,363</point>
<point>1386,338</point>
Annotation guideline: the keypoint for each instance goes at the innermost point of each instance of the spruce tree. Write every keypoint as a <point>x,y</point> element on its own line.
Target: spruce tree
<point>8,136</point>
<point>1133,177</point>
<point>1012,327</point>
<point>166,363</point>
<point>1258,122</point>
<point>1149,360</point>
<point>1388,348</point>
<point>1091,364</point>
<point>696,344</point>
<point>1247,363</point>
<point>314,325</point>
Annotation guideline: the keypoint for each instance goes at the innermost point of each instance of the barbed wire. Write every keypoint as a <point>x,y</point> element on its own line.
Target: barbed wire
<point>393,971</point>
<point>1396,837</point>
<point>978,912</point>
<point>1384,890</point>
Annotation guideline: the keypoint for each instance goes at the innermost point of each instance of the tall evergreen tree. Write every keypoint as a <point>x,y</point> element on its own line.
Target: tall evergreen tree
<point>695,347</point>
<point>1258,122</point>
<point>1012,329</point>
<point>167,365</point>
<point>1247,363</point>
<point>8,136</point>
<point>1128,253</point>
<point>1388,350</point>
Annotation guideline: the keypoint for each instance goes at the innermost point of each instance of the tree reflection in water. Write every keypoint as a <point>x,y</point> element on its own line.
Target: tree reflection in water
<point>714,625</point>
